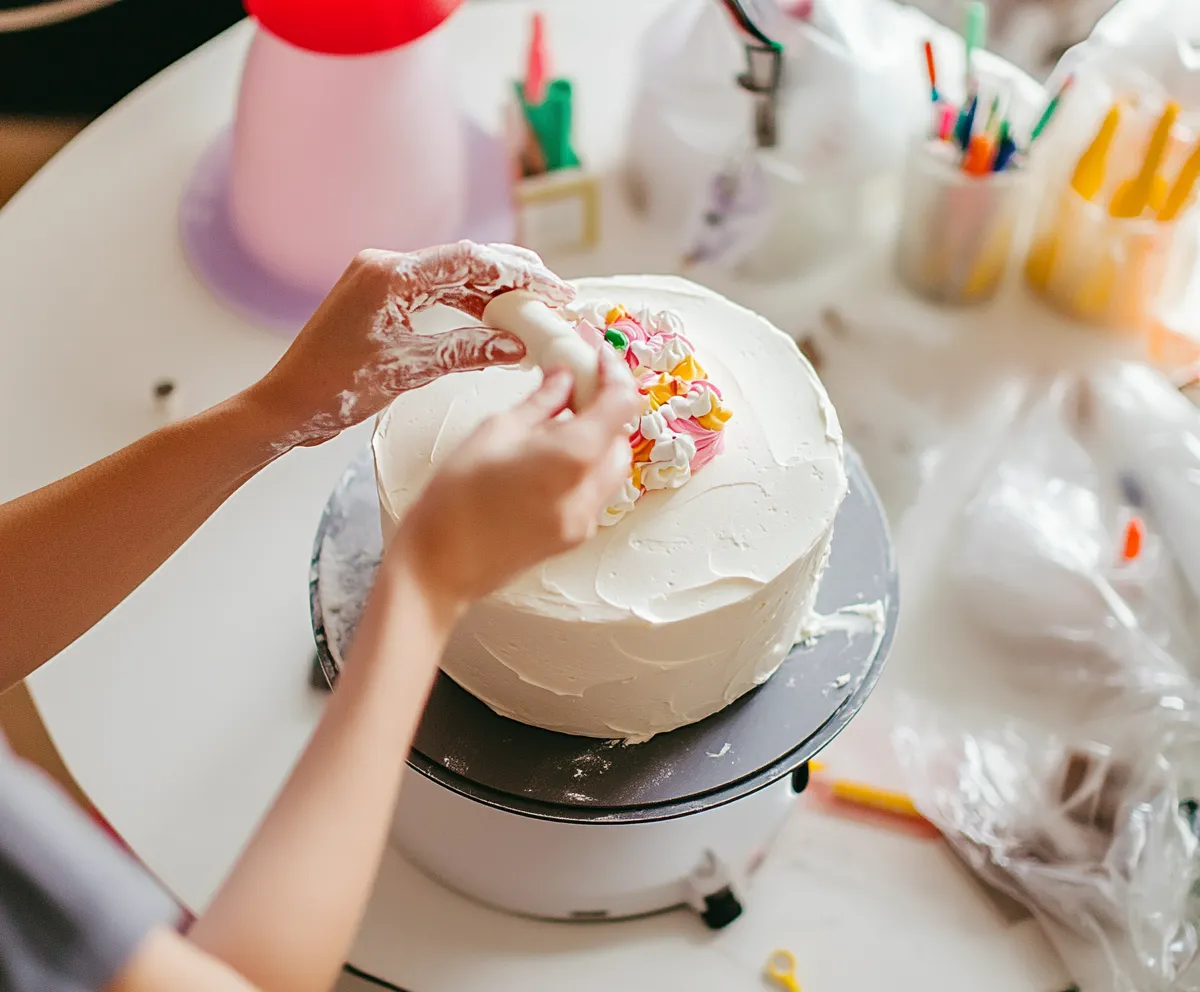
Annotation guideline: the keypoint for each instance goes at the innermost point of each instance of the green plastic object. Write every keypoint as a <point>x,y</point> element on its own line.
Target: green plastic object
<point>616,339</point>
<point>975,37</point>
<point>550,121</point>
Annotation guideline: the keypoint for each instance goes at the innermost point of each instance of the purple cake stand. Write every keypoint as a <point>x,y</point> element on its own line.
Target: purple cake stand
<point>242,283</point>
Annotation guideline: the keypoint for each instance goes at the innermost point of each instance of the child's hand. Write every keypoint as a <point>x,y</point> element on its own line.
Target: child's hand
<point>525,486</point>
<point>358,350</point>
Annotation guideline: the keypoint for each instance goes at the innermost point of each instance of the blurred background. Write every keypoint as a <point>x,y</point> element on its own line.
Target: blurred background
<point>64,62</point>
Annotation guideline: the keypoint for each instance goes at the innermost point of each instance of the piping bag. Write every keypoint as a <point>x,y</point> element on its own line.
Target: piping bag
<point>551,341</point>
<point>1149,432</point>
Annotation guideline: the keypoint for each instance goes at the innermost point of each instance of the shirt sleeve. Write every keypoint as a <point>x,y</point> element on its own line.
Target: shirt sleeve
<point>73,906</point>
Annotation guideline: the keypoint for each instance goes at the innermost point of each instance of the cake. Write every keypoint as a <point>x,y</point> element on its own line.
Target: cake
<point>694,592</point>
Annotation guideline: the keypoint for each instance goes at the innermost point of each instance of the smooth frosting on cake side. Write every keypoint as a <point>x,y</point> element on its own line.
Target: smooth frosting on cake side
<point>696,593</point>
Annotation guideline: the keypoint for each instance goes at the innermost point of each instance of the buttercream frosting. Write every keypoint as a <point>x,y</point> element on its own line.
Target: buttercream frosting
<point>693,598</point>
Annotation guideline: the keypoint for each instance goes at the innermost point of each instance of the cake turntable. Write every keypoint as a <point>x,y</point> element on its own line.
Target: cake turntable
<point>561,827</point>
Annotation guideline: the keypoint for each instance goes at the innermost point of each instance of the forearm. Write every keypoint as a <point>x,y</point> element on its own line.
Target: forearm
<point>167,961</point>
<point>287,914</point>
<point>71,551</point>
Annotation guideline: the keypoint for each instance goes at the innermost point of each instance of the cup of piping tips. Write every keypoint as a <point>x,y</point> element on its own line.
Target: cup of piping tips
<point>957,219</point>
<point>964,181</point>
<point>1112,242</point>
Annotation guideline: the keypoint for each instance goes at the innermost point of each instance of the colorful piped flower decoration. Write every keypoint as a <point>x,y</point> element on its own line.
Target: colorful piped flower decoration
<point>680,428</point>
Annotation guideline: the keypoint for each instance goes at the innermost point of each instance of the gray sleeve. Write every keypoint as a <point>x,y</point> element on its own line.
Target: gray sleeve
<point>73,906</point>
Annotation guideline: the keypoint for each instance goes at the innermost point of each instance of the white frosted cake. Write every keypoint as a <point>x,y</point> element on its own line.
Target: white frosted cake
<point>708,567</point>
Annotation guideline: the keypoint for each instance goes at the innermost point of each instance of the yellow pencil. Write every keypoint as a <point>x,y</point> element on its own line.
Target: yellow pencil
<point>1134,194</point>
<point>869,796</point>
<point>1182,189</point>
<point>1113,291</point>
<point>873,798</point>
<point>1088,178</point>
<point>1087,181</point>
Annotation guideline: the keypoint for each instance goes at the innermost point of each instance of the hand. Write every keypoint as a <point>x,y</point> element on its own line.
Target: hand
<point>523,487</point>
<point>358,351</point>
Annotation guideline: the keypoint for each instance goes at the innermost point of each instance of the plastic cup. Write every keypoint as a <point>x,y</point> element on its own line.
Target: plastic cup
<point>956,229</point>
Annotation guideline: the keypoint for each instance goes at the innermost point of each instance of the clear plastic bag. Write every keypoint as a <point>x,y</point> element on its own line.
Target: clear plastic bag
<point>850,94</point>
<point>1143,430</point>
<point>1097,837</point>
<point>1077,547</point>
<point>1130,275</point>
<point>1158,40</point>
<point>916,405</point>
<point>1140,54</point>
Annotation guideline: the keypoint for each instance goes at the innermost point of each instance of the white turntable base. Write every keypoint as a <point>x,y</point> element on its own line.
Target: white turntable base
<point>920,926</point>
<point>587,871</point>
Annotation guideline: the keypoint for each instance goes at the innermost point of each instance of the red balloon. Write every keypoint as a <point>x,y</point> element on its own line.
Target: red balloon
<point>350,27</point>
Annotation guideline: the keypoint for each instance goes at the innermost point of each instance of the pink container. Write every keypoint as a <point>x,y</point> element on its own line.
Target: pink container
<point>348,135</point>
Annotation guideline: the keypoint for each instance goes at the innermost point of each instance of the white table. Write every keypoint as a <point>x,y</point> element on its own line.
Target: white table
<point>181,713</point>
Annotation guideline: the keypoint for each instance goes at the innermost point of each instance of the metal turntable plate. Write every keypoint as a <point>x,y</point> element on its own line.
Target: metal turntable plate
<point>464,746</point>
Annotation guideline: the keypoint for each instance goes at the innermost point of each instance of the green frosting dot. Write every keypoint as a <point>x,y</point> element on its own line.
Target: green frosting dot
<point>616,339</point>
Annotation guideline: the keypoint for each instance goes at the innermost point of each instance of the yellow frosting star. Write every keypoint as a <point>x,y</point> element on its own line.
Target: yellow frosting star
<point>663,389</point>
<point>641,451</point>
<point>716,418</point>
<point>657,391</point>
<point>689,369</point>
